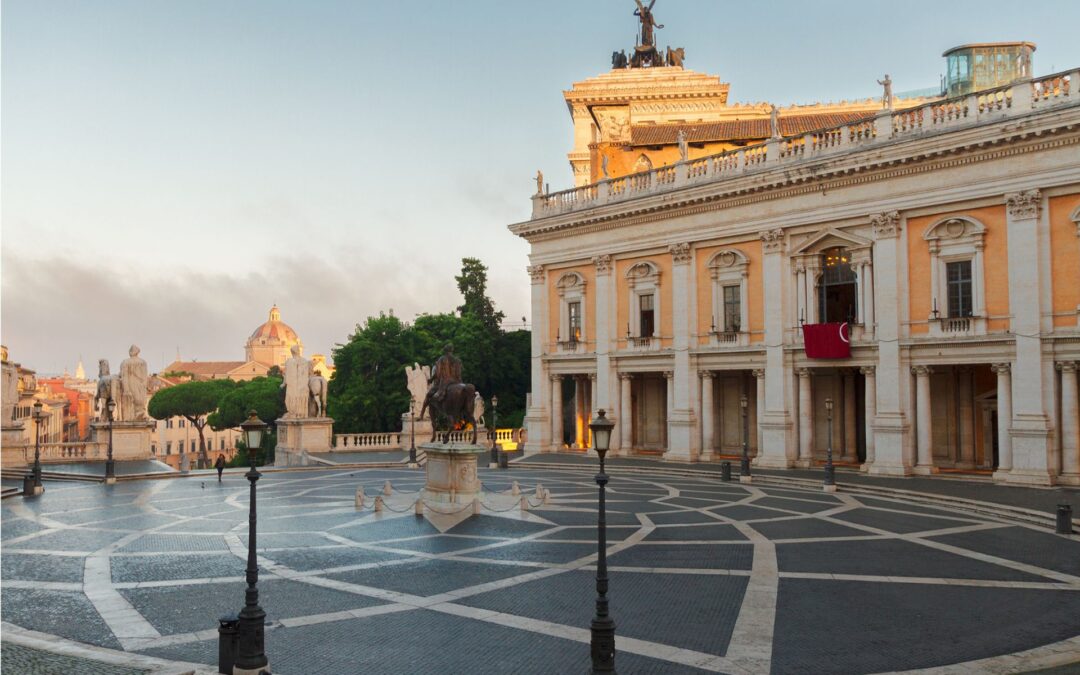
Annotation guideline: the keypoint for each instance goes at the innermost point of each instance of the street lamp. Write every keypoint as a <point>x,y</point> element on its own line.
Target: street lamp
<point>744,466</point>
<point>495,423</point>
<point>251,658</point>
<point>494,433</point>
<point>412,439</point>
<point>603,626</point>
<point>39,416</point>
<point>830,471</point>
<point>110,466</point>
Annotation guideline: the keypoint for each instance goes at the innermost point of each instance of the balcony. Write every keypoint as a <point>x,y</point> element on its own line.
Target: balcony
<point>962,326</point>
<point>570,347</point>
<point>729,338</point>
<point>991,105</point>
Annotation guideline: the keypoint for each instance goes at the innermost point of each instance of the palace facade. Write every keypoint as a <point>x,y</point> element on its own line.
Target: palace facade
<point>674,284</point>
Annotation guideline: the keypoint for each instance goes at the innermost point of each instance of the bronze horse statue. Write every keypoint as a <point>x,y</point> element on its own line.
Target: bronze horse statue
<point>456,406</point>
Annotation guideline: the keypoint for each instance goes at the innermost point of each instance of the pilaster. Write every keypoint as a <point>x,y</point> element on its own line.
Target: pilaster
<point>777,449</point>
<point>682,445</point>
<point>538,415</point>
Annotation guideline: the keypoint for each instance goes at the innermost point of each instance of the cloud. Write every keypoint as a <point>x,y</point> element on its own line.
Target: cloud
<point>56,309</point>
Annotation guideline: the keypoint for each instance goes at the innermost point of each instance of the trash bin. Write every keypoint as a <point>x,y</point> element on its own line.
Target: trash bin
<point>1064,519</point>
<point>228,643</point>
<point>28,484</point>
<point>725,471</point>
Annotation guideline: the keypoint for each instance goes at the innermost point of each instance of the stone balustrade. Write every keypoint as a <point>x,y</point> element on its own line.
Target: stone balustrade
<point>1019,98</point>
<point>397,440</point>
<point>59,453</point>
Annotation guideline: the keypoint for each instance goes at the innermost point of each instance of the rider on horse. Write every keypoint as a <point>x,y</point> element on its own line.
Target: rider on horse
<point>445,372</point>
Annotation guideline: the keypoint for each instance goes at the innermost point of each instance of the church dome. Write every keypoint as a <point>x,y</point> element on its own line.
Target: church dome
<point>270,342</point>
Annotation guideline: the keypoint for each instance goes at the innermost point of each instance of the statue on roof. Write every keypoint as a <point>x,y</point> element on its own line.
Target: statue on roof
<point>774,121</point>
<point>648,23</point>
<point>539,182</point>
<point>684,149</point>
<point>619,60</point>
<point>886,97</point>
<point>675,56</point>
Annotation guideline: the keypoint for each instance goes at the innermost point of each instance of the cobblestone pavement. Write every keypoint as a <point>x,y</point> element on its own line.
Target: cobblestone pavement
<point>29,661</point>
<point>706,576</point>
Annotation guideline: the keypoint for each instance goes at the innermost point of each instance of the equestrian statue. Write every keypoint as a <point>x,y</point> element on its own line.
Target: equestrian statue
<point>448,397</point>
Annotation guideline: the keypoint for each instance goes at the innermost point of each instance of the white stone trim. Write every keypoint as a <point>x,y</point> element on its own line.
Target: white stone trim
<point>644,279</point>
<point>728,267</point>
<point>956,238</point>
<point>571,288</point>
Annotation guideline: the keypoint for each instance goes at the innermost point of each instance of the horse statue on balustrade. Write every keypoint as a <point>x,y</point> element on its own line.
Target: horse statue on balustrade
<point>108,389</point>
<point>317,401</point>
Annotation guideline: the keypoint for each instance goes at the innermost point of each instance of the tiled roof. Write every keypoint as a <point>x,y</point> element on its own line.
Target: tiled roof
<point>739,130</point>
<point>203,368</point>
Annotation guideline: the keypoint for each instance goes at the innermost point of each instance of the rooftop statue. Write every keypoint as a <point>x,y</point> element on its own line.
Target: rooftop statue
<point>648,23</point>
<point>886,96</point>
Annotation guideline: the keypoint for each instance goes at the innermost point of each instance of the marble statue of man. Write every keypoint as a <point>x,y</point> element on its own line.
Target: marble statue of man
<point>478,409</point>
<point>9,393</point>
<point>684,149</point>
<point>297,394</point>
<point>417,377</point>
<point>134,379</point>
<point>774,122</point>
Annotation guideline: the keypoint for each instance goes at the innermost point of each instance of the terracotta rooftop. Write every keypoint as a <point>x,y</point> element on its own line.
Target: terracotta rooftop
<point>203,368</point>
<point>735,130</point>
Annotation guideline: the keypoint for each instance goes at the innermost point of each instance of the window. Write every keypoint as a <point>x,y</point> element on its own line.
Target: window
<point>648,320</point>
<point>168,423</point>
<point>168,447</point>
<point>153,448</point>
<point>180,447</point>
<point>732,309</point>
<point>958,278</point>
<point>180,423</point>
<point>573,311</point>
<point>837,289</point>
<point>223,444</point>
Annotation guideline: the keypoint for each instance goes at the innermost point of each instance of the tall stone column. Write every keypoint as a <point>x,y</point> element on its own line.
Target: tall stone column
<point>669,379</point>
<point>626,429</point>
<point>777,434</point>
<point>1033,382</point>
<point>538,415</point>
<point>1004,419</point>
<point>590,409</point>
<point>851,429</point>
<point>556,414</point>
<point>708,413</point>
<point>759,377</point>
<point>870,395</point>
<point>682,441</point>
<point>603,322</point>
<point>806,419</point>
<point>868,299</point>
<point>892,432</point>
<point>922,420</point>
<point>1070,425</point>
<point>579,411</point>
<point>965,399</point>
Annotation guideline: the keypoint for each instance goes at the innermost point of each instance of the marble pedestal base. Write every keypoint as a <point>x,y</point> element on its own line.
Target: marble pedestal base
<point>130,440</point>
<point>12,446</point>
<point>298,436</point>
<point>451,471</point>
<point>423,431</point>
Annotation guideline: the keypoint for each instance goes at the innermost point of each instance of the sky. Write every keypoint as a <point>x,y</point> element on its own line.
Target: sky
<point>171,169</point>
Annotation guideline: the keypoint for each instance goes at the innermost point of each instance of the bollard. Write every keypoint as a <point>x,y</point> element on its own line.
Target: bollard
<point>725,471</point>
<point>547,496</point>
<point>360,497</point>
<point>1064,519</point>
<point>515,489</point>
<point>378,503</point>
<point>539,491</point>
<point>524,503</point>
<point>476,506</point>
<point>387,488</point>
<point>228,643</point>
<point>504,460</point>
<point>419,507</point>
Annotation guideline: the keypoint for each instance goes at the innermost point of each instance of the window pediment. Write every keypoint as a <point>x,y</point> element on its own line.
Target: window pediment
<point>643,272</point>
<point>570,281</point>
<point>954,228</point>
<point>831,238</point>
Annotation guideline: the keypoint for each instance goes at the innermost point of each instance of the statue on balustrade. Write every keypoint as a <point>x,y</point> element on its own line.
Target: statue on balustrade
<point>886,97</point>
<point>478,409</point>
<point>448,397</point>
<point>417,378</point>
<point>684,148</point>
<point>296,373</point>
<point>539,182</point>
<point>108,389</point>
<point>774,122</point>
<point>134,379</point>
<point>317,389</point>
<point>9,392</point>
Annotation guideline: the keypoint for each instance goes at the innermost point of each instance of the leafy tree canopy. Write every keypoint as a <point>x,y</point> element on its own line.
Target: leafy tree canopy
<point>191,400</point>
<point>472,282</point>
<point>262,394</point>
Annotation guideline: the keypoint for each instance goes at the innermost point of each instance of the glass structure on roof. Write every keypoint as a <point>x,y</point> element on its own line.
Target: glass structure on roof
<point>986,65</point>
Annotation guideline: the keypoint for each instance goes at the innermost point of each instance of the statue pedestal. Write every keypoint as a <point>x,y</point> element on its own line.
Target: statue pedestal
<point>298,436</point>
<point>13,444</point>
<point>130,440</point>
<point>451,471</point>
<point>423,431</point>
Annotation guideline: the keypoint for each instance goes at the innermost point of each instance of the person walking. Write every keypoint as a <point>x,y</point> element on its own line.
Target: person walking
<point>220,466</point>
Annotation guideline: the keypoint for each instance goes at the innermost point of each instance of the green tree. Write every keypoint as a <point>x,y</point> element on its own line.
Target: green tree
<point>262,394</point>
<point>368,392</point>
<point>193,401</point>
<point>472,282</point>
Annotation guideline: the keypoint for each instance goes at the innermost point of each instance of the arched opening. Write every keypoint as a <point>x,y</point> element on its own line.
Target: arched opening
<point>837,288</point>
<point>643,164</point>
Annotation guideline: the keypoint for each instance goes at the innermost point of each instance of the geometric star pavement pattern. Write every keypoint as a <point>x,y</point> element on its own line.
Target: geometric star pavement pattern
<point>706,576</point>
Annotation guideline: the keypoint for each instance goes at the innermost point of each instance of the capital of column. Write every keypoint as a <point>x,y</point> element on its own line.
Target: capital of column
<point>1066,366</point>
<point>802,372</point>
<point>680,253</point>
<point>1001,368</point>
<point>556,378</point>
<point>885,225</point>
<point>592,377</point>
<point>669,374</point>
<point>921,371</point>
<point>758,373</point>
<point>626,377</point>
<point>705,374</point>
<point>536,273</point>
<point>603,263</point>
<point>868,371</point>
<point>772,240</point>
<point>1021,205</point>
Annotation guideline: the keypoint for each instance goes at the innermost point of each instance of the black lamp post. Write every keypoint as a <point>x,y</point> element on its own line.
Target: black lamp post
<point>603,626</point>
<point>110,466</point>
<point>412,439</point>
<point>39,416</point>
<point>251,657</point>
<point>744,466</point>
<point>494,433</point>
<point>830,471</point>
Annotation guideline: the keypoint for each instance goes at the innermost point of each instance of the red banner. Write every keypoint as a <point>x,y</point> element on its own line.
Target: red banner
<point>827,340</point>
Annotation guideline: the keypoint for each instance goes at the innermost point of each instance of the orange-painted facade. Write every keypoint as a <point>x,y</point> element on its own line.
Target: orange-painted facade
<point>755,308</point>
<point>1065,258</point>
